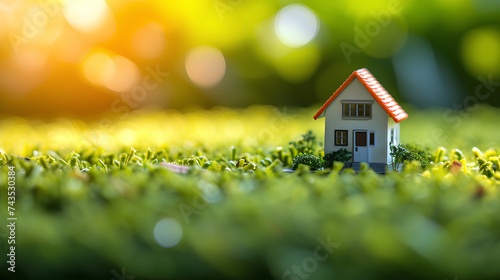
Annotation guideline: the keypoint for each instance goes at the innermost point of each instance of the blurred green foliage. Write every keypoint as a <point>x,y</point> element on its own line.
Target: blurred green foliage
<point>88,212</point>
<point>411,152</point>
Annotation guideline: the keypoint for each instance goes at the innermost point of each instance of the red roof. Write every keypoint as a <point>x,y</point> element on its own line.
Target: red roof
<point>383,98</point>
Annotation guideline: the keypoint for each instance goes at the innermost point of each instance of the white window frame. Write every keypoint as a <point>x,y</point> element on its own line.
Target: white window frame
<point>356,109</point>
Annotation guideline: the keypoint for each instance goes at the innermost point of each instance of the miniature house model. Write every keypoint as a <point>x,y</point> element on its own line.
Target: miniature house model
<point>362,117</point>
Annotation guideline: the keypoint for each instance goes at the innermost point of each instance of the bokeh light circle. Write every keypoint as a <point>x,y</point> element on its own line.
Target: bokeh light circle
<point>211,193</point>
<point>115,72</point>
<point>168,233</point>
<point>205,66</point>
<point>98,68</point>
<point>480,50</point>
<point>86,15</point>
<point>296,25</point>
<point>381,39</point>
<point>125,76</point>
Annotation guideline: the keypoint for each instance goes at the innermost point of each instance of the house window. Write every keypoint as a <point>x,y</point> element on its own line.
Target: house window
<point>392,136</point>
<point>372,138</point>
<point>340,137</point>
<point>357,110</point>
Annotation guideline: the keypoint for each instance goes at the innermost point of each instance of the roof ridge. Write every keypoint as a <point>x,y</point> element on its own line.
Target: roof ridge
<point>379,93</point>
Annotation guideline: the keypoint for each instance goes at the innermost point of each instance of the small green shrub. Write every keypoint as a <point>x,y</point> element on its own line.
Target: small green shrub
<point>341,155</point>
<point>410,152</point>
<point>306,144</point>
<point>421,154</point>
<point>314,162</point>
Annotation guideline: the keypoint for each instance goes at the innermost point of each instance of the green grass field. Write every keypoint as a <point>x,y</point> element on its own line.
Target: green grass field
<point>94,202</point>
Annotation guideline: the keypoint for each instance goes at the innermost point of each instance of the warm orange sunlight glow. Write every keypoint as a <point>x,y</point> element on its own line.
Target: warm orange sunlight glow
<point>23,72</point>
<point>76,57</point>
<point>112,71</point>
<point>70,48</point>
<point>30,60</point>
<point>125,76</point>
<point>205,66</point>
<point>86,15</point>
<point>149,41</point>
<point>99,68</point>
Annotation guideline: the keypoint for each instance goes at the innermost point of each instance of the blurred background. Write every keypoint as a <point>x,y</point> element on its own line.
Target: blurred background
<point>83,58</point>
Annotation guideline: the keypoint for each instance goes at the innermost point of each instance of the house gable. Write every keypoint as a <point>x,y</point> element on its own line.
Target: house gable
<point>355,92</point>
<point>375,89</point>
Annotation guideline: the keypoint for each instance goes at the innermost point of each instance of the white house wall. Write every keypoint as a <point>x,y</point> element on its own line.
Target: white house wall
<point>392,125</point>
<point>333,121</point>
